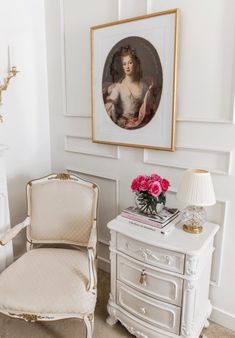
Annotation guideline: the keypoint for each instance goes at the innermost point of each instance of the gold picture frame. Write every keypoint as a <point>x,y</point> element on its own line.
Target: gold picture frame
<point>133,81</point>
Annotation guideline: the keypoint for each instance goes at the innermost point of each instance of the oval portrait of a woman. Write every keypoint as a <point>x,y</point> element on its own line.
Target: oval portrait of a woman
<point>132,83</point>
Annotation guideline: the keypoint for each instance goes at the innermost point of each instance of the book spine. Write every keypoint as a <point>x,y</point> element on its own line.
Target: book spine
<point>141,220</point>
<point>170,226</point>
<point>136,223</point>
<point>164,231</point>
<point>145,218</point>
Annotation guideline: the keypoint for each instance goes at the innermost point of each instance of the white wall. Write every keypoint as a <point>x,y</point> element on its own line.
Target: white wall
<point>25,104</point>
<point>205,115</point>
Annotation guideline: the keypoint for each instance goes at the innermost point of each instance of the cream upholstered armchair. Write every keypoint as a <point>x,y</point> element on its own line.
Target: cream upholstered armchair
<point>56,278</point>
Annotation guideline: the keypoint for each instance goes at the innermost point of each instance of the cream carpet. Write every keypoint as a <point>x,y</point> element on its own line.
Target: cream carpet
<point>73,328</point>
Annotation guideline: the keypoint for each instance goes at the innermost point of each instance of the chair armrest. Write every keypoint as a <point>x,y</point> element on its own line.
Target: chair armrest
<point>92,286</point>
<point>11,233</point>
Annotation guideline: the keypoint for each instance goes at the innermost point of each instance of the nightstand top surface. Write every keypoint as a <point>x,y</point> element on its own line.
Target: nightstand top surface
<point>177,239</point>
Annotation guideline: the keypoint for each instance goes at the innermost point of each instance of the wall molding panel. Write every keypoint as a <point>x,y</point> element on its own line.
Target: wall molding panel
<point>77,126</point>
<point>234,108</point>
<point>200,120</point>
<point>63,58</point>
<point>216,272</point>
<point>216,161</point>
<point>79,116</point>
<point>84,145</point>
<point>64,68</point>
<point>131,8</point>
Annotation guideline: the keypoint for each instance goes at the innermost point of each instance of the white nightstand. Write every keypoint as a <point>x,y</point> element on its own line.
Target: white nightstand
<point>160,284</point>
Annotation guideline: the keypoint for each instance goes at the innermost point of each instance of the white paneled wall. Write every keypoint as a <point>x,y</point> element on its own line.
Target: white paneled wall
<point>205,79</point>
<point>25,104</point>
<point>76,54</point>
<point>83,145</point>
<point>205,115</point>
<point>129,8</point>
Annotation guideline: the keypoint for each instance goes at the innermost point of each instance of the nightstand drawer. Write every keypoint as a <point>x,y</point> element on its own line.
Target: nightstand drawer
<point>155,284</point>
<point>162,315</point>
<point>165,259</point>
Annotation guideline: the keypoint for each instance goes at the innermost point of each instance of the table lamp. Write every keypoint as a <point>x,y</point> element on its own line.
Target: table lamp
<point>196,190</point>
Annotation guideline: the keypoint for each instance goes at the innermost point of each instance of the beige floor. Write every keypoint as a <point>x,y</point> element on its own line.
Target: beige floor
<point>15,328</point>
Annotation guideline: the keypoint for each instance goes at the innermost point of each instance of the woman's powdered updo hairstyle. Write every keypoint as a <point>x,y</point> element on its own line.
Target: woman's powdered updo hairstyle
<point>116,64</point>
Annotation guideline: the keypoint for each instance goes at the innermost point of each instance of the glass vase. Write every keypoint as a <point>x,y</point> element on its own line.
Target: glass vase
<point>148,204</point>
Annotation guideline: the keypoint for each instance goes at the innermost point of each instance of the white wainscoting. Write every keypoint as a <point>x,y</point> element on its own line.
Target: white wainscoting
<point>84,145</point>
<point>77,126</point>
<point>216,161</point>
<point>201,120</point>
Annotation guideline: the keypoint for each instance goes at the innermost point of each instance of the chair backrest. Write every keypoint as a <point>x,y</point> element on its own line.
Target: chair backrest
<point>62,208</point>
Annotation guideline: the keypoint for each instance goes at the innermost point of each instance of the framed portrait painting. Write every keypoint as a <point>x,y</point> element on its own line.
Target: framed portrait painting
<point>134,81</point>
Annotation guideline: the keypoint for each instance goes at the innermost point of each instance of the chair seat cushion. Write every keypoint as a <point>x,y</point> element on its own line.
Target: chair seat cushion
<point>47,281</point>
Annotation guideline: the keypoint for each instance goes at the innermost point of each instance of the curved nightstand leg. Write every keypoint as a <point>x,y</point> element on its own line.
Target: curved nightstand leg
<point>207,324</point>
<point>111,320</point>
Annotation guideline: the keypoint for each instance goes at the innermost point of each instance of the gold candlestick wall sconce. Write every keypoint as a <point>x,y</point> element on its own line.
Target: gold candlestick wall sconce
<point>11,73</point>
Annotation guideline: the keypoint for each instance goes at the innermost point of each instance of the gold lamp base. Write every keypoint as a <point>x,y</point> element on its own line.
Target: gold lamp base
<point>193,229</point>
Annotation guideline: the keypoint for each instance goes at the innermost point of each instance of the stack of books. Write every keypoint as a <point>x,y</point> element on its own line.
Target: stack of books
<point>164,220</point>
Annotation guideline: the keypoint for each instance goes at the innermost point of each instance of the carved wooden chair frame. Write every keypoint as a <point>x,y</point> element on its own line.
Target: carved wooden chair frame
<point>91,251</point>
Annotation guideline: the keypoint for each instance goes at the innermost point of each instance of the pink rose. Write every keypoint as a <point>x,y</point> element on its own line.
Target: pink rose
<point>135,185</point>
<point>165,184</point>
<point>141,178</point>
<point>155,189</point>
<point>150,183</point>
<point>156,177</point>
<point>144,185</point>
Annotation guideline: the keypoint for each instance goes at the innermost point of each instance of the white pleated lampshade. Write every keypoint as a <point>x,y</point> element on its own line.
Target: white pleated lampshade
<point>196,188</point>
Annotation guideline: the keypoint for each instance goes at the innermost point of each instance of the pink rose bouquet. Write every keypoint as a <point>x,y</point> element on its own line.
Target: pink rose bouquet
<point>150,192</point>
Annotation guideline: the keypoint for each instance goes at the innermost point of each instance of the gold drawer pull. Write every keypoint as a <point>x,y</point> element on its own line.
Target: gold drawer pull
<point>143,278</point>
